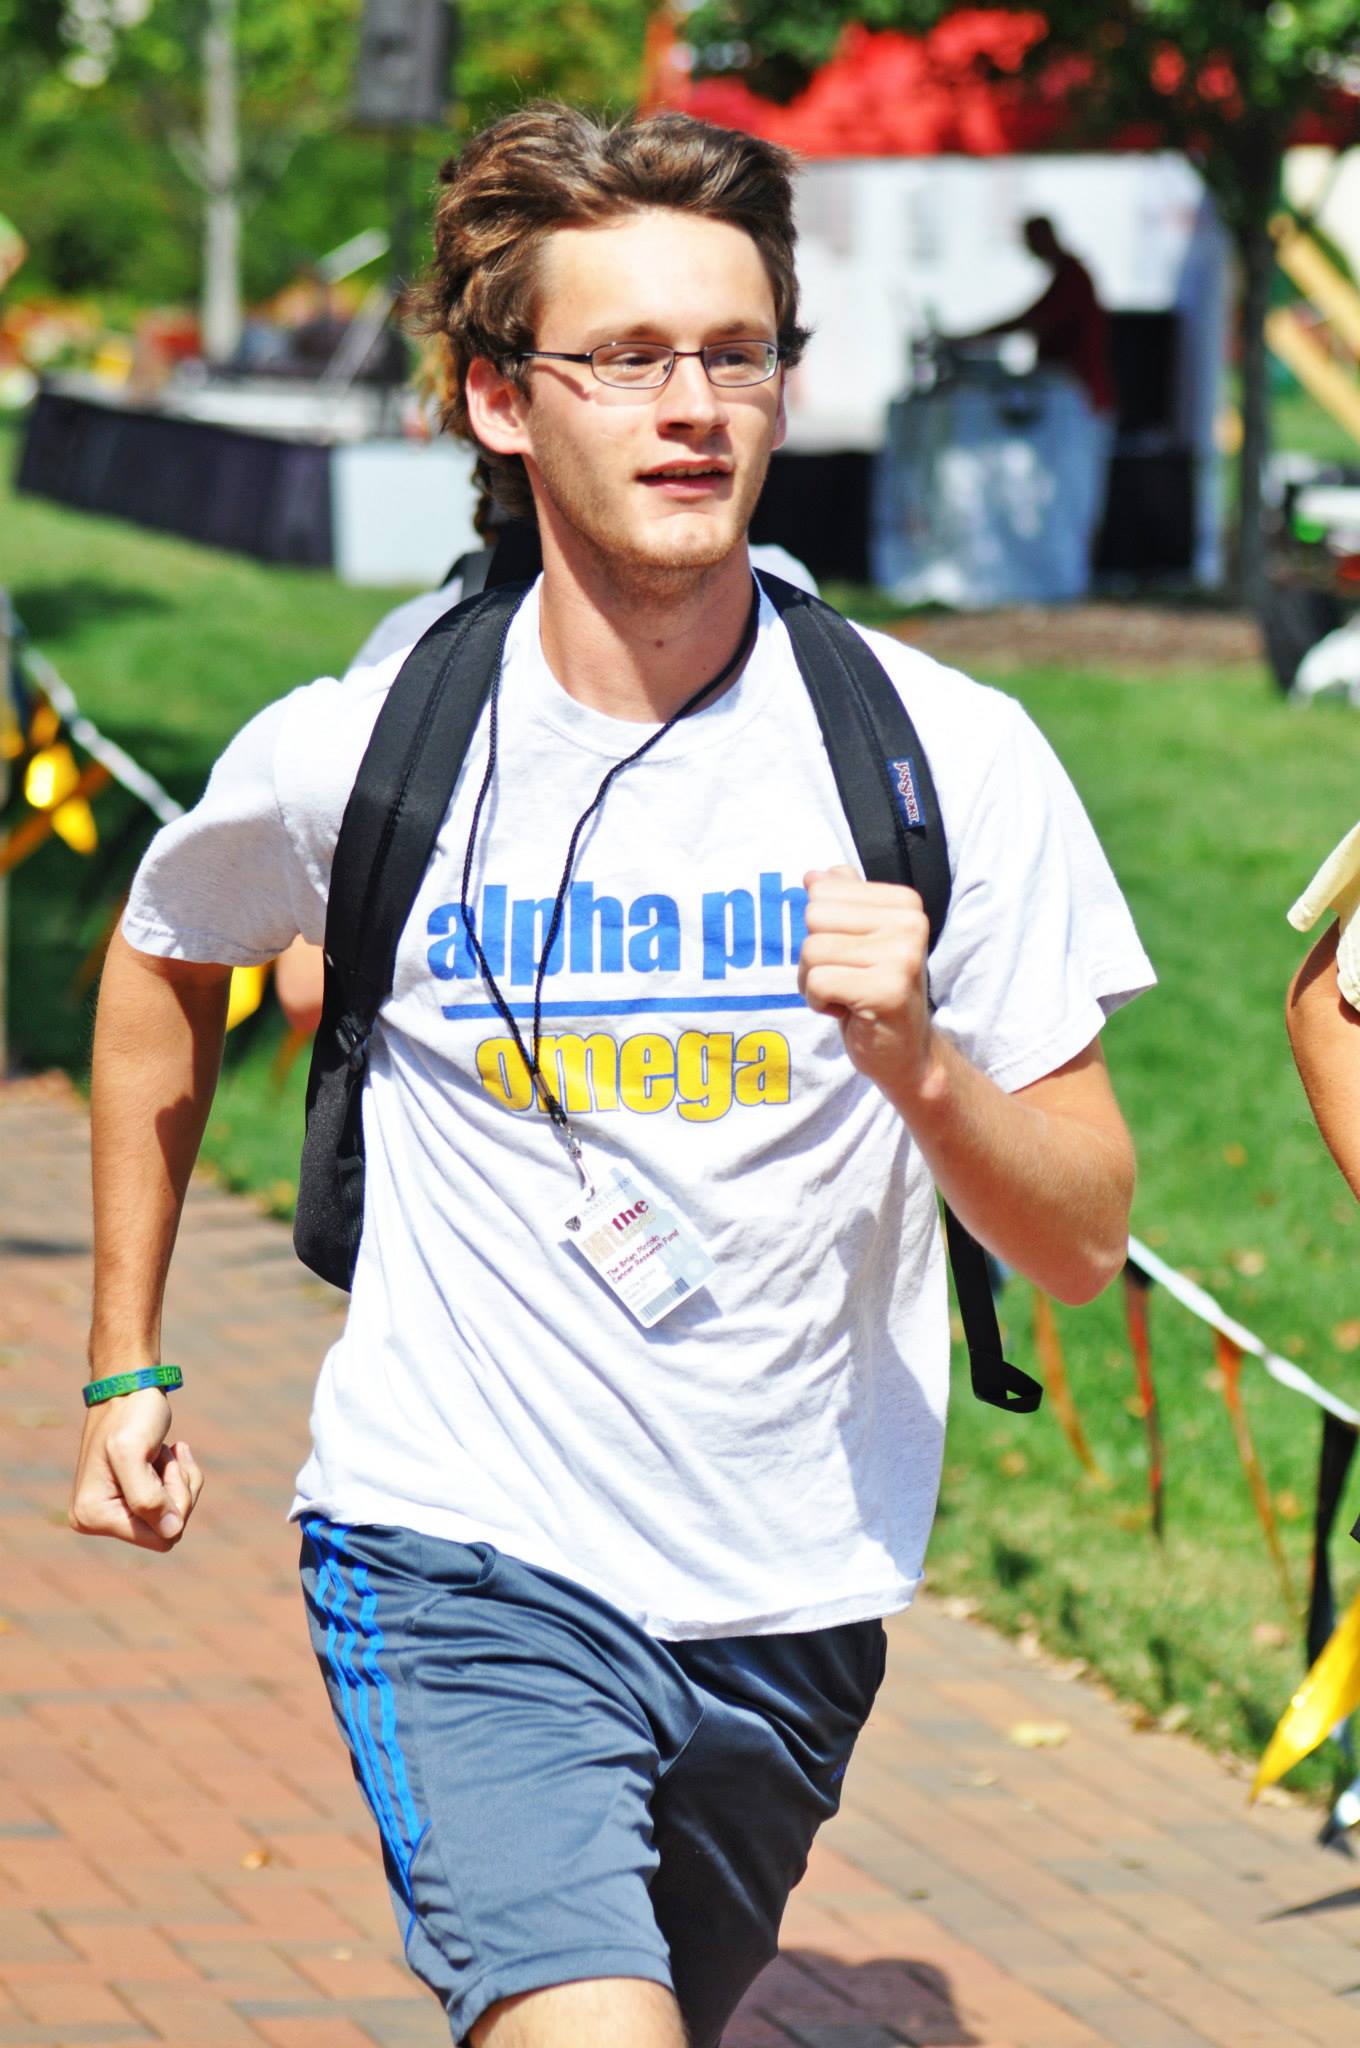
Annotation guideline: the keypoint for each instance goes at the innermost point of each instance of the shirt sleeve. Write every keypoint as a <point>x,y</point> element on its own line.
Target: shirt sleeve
<point>230,881</point>
<point>1038,948</point>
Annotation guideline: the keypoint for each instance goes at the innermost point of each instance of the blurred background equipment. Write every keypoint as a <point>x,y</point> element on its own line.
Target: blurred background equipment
<point>288,432</point>
<point>1310,608</point>
<point>952,476</point>
<point>405,54</point>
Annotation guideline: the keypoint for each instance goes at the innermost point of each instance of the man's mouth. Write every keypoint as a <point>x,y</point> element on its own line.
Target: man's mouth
<point>686,476</point>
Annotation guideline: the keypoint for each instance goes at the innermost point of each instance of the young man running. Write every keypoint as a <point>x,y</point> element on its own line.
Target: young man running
<point>598,1603</point>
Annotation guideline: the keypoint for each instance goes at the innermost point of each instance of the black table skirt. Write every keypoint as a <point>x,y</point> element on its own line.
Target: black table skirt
<point>228,488</point>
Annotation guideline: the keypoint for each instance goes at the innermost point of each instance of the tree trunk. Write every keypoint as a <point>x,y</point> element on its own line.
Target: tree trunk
<point>1256,252</point>
<point>221,297</point>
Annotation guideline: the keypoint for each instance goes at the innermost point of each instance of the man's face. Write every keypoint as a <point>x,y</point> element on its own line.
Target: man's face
<point>662,482</point>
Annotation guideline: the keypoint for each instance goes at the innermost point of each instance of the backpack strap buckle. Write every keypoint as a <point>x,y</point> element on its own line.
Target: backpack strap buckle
<point>352,1035</point>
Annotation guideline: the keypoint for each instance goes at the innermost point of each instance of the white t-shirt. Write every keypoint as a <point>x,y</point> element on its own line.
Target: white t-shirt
<point>767,1457</point>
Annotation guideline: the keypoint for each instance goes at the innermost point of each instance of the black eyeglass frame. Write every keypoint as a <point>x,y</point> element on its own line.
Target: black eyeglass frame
<point>554,355</point>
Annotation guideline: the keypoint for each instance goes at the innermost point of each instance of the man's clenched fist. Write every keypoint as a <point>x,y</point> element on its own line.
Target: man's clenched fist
<point>864,961</point>
<point>130,1483</point>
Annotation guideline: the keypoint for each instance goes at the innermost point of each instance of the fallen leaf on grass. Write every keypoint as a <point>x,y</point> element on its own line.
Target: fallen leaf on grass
<point>1288,1506</point>
<point>1249,1263</point>
<point>1268,1635</point>
<point>256,1859</point>
<point>1175,1717</point>
<point>1038,1734</point>
<point>1346,1336</point>
<point>1014,1464</point>
<point>342,1955</point>
<point>959,1607</point>
<point>5,1625</point>
<point>1234,1155</point>
<point>1075,1667</point>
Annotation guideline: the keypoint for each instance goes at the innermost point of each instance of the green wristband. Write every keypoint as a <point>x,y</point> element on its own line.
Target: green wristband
<point>166,1377</point>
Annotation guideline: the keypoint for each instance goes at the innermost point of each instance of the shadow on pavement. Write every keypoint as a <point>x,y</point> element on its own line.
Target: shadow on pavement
<point>828,2003</point>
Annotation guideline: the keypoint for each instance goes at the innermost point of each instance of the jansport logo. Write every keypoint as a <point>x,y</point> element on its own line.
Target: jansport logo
<point>904,786</point>
<point>630,1215</point>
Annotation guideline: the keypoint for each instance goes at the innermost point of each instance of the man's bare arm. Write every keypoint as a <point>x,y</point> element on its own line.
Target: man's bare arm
<point>1043,1177</point>
<point>157,1052</point>
<point>1324,1032</point>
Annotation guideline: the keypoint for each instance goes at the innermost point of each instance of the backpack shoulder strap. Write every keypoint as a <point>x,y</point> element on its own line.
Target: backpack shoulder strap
<point>387,834</point>
<point>884,782</point>
<point>881,769</point>
<point>400,796</point>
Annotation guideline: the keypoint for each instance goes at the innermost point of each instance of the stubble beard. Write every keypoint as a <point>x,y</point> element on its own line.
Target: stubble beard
<point>651,570</point>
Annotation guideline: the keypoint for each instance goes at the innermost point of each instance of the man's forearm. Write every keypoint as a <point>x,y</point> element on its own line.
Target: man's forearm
<point>157,1051</point>
<point>1043,1177</point>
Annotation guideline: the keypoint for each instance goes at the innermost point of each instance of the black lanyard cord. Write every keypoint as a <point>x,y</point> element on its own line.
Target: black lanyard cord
<point>554,1108</point>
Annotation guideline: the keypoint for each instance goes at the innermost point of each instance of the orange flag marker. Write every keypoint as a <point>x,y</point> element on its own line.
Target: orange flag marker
<point>1048,1346</point>
<point>1230,1372</point>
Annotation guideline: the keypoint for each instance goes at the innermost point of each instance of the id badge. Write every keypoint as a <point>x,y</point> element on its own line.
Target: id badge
<point>644,1253</point>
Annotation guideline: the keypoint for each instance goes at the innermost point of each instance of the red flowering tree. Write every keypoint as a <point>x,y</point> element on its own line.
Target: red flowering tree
<point>1230,82</point>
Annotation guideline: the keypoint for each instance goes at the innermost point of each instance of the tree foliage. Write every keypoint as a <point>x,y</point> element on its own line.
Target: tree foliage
<point>1226,81</point>
<point>107,95</point>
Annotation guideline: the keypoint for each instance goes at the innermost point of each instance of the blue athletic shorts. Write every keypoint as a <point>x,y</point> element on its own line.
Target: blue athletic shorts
<point>561,1796</point>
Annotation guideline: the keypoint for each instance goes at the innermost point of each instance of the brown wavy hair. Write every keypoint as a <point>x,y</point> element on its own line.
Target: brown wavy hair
<point>546,167</point>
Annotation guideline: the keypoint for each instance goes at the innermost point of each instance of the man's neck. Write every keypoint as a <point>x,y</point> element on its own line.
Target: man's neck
<point>636,646</point>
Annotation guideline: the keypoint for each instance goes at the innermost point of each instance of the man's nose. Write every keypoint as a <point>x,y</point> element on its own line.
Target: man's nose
<point>688,399</point>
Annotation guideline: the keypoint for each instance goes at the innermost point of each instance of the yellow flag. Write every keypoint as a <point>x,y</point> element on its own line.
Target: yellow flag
<point>246,994</point>
<point>1329,1692</point>
<point>50,776</point>
<point>74,822</point>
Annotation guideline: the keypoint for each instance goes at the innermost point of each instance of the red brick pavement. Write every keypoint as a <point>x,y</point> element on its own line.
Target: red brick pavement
<point>184,1857</point>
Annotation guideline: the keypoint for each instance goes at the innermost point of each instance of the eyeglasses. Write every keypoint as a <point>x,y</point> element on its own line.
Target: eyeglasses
<point>646,365</point>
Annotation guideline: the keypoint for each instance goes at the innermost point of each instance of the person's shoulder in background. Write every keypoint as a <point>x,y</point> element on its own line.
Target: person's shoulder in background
<point>403,626</point>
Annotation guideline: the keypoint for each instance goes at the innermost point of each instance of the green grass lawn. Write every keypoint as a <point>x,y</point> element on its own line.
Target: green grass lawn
<point>1215,800</point>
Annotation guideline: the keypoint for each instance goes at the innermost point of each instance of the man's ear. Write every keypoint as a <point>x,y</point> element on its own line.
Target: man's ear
<point>781,418</point>
<point>496,408</point>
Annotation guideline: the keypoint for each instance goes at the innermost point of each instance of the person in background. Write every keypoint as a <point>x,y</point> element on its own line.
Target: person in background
<point>1072,334</point>
<point>1068,322</point>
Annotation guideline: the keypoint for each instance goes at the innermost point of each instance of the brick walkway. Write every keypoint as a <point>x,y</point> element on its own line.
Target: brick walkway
<point>184,1858</point>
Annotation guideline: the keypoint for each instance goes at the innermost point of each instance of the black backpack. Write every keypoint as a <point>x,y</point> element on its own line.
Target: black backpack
<point>388,833</point>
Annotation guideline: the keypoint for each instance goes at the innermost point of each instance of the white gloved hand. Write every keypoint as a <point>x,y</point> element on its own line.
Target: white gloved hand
<point>1336,886</point>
